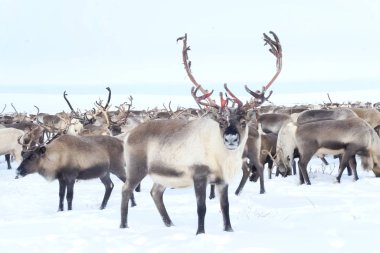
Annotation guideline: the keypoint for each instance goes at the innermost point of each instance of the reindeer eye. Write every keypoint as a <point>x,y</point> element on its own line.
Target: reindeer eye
<point>223,123</point>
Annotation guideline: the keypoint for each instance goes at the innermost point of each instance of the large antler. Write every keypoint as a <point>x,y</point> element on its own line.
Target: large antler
<point>68,102</point>
<point>187,64</point>
<point>276,50</point>
<point>108,100</point>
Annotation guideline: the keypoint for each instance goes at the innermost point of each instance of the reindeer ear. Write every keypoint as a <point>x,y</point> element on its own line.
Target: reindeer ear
<point>42,150</point>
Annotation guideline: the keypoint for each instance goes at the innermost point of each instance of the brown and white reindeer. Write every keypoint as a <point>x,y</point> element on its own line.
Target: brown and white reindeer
<point>69,158</point>
<point>180,153</point>
<point>347,137</point>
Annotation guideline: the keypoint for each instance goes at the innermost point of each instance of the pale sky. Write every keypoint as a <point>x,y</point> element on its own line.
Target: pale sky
<point>131,45</point>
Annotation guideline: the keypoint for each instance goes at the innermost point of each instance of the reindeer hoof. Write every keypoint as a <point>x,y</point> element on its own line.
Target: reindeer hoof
<point>229,229</point>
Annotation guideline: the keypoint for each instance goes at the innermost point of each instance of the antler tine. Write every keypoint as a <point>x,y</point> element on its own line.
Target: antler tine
<point>5,106</point>
<point>276,50</point>
<point>223,102</point>
<point>109,98</point>
<point>14,108</point>
<point>38,110</point>
<point>187,64</point>
<point>199,99</point>
<point>68,102</point>
<point>234,98</point>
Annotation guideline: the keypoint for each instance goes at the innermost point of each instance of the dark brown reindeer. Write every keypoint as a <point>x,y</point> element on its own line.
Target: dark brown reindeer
<point>256,144</point>
<point>266,153</point>
<point>161,148</point>
<point>348,137</point>
<point>68,158</point>
<point>253,158</point>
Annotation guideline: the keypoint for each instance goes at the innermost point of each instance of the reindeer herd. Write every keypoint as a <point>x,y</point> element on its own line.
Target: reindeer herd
<point>188,147</point>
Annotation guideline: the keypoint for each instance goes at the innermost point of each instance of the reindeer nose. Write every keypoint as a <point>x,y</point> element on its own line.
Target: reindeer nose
<point>231,141</point>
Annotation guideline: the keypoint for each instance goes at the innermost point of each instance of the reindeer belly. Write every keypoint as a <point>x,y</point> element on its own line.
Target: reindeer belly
<point>170,177</point>
<point>95,171</point>
<point>328,151</point>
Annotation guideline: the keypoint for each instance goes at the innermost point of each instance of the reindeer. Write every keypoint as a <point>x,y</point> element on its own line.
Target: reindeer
<point>69,158</point>
<point>32,134</point>
<point>10,144</point>
<point>160,148</point>
<point>370,115</point>
<point>253,158</point>
<point>348,137</point>
<point>267,154</point>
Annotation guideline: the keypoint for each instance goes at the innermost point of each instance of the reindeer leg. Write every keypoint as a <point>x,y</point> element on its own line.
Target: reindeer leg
<point>244,178</point>
<point>302,180</point>
<point>125,196</point>
<point>127,193</point>
<point>106,180</point>
<point>212,191</point>
<point>70,193</point>
<point>302,166</point>
<point>8,159</point>
<point>62,191</point>
<point>132,198</point>
<point>260,171</point>
<point>349,170</point>
<point>270,168</point>
<point>157,193</point>
<point>343,163</point>
<point>200,185</point>
<point>225,206</point>
<point>352,164</point>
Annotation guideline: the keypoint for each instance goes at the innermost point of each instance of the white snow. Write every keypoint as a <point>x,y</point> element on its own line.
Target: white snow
<point>322,217</point>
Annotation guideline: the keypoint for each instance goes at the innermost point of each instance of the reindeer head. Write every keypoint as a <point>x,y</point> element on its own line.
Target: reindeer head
<point>232,120</point>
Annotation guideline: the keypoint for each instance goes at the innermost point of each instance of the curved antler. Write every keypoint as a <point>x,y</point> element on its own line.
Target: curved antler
<point>199,99</point>
<point>234,98</point>
<point>5,106</point>
<point>68,102</point>
<point>187,64</point>
<point>108,100</point>
<point>276,50</point>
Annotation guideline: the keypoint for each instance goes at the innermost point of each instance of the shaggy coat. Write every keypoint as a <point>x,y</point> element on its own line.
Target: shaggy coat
<point>9,143</point>
<point>348,137</point>
<point>180,153</point>
<point>69,158</point>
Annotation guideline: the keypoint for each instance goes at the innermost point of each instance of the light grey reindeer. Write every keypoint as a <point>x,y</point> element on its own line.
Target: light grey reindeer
<point>348,137</point>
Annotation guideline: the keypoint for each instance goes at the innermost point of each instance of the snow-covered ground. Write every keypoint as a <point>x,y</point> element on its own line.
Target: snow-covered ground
<point>322,217</point>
